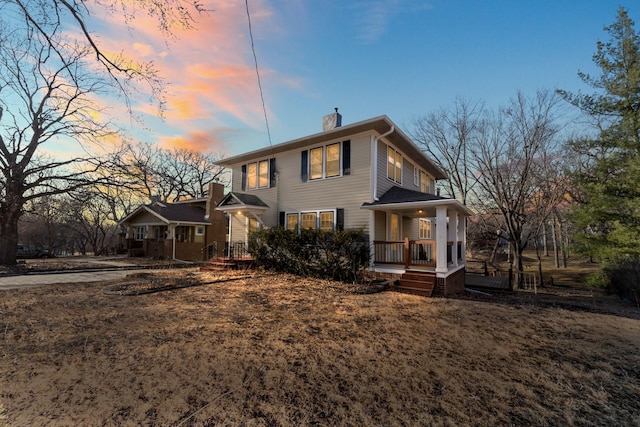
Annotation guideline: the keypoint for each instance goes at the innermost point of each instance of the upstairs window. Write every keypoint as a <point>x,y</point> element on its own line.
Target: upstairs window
<point>425,182</point>
<point>394,165</point>
<point>326,162</point>
<point>260,174</point>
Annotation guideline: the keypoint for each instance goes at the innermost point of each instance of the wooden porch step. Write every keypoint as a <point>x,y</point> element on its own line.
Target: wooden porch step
<point>417,283</point>
<point>223,264</point>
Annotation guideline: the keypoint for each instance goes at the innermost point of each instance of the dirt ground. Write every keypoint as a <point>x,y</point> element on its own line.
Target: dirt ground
<point>267,350</point>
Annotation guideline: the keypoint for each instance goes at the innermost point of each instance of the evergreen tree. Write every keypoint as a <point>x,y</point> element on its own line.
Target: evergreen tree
<point>607,181</point>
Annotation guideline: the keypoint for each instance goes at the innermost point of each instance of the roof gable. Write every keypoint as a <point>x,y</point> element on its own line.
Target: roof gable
<point>241,199</point>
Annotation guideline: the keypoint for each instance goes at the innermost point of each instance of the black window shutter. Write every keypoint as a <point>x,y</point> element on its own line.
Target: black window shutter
<point>244,177</point>
<point>304,167</point>
<point>272,172</point>
<point>346,158</point>
<point>339,219</point>
<point>281,222</point>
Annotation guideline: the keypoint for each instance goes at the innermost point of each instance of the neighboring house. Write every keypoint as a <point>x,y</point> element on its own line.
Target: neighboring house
<point>367,175</point>
<point>191,230</point>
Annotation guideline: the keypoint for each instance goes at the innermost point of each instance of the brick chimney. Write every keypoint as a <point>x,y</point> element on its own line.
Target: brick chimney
<point>331,121</point>
<point>215,194</point>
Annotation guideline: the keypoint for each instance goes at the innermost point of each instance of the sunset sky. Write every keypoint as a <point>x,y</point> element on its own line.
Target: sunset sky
<point>401,58</point>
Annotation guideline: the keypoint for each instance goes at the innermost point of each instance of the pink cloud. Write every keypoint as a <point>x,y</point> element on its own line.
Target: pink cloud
<point>209,69</point>
<point>201,141</point>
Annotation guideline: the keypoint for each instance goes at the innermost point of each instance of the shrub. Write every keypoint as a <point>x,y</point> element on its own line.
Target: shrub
<point>338,255</point>
<point>623,276</point>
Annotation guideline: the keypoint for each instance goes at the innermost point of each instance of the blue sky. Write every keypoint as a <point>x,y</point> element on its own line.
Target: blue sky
<point>402,58</point>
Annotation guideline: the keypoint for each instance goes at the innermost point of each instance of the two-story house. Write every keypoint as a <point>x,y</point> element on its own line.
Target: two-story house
<point>367,175</point>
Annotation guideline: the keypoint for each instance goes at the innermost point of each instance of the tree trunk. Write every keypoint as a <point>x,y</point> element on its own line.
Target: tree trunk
<point>544,239</point>
<point>555,243</point>
<point>8,238</point>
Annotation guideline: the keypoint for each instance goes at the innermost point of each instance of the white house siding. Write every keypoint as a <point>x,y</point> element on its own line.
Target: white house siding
<point>347,192</point>
<point>408,166</point>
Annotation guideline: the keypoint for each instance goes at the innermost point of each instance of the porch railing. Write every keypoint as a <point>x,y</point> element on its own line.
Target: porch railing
<point>411,252</point>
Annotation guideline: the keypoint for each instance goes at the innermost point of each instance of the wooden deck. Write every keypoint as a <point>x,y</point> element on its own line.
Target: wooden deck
<point>477,281</point>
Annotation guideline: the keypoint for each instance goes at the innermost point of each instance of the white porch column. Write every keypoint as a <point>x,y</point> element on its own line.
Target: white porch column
<point>441,239</point>
<point>453,236</point>
<point>462,237</point>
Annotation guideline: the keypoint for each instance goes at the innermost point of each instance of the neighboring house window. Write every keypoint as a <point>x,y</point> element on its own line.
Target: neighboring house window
<point>327,161</point>
<point>425,228</point>
<point>139,233</point>
<point>394,165</point>
<point>184,234</point>
<point>199,231</point>
<point>159,233</point>
<point>261,174</point>
<point>292,221</point>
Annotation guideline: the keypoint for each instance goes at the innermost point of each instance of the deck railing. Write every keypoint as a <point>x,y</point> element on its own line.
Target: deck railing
<point>411,252</point>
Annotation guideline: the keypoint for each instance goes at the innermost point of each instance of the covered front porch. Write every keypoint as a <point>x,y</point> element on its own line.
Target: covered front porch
<point>419,236</point>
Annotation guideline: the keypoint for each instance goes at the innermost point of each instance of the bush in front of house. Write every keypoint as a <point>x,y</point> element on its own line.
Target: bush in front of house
<point>339,255</point>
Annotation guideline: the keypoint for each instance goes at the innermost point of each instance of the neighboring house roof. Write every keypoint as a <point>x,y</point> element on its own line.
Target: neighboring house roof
<point>380,124</point>
<point>404,198</point>
<point>234,199</point>
<point>171,213</point>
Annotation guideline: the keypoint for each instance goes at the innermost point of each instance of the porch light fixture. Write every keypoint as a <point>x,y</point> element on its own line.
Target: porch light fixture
<point>420,211</point>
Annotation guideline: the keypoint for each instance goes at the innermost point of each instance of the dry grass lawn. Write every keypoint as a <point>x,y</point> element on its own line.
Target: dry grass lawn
<point>281,350</point>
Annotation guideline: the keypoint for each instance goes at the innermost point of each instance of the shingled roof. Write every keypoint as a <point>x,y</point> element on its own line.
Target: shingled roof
<point>172,212</point>
<point>403,195</point>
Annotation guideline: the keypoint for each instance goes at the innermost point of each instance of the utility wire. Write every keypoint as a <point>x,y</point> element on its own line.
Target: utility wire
<point>255,60</point>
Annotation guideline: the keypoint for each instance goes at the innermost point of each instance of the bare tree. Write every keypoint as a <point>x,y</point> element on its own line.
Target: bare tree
<point>515,163</point>
<point>43,18</point>
<point>167,174</point>
<point>89,216</point>
<point>44,101</point>
<point>448,136</point>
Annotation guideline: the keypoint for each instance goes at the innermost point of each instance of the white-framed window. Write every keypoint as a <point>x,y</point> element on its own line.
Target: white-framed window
<point>308,220</point>
<point>292,221</point>
<point>327,220</point>
<point>425,229</point>
<point>394,165</point>
<point>140,232</point>
<point>325,161</point>
<point>258,174</point>
<point>416,176</point>
<point>425,182</point>
<point>324,220</point>
<point>199,231</point>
